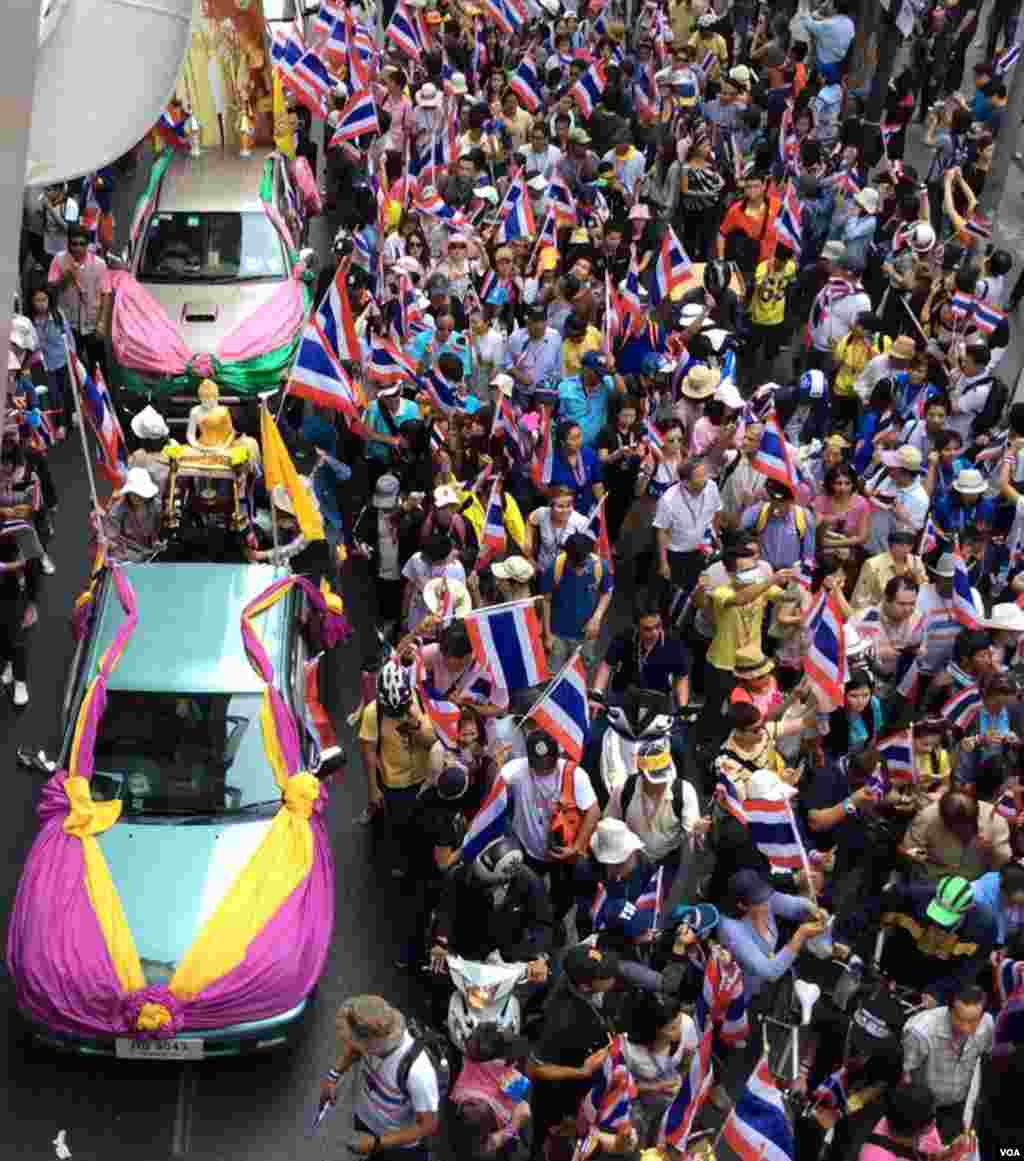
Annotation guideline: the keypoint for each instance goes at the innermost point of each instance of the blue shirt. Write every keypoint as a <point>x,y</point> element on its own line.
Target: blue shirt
<point>575,597</point>
<point>988,897</point>
<point>325,475</point>
<point>51,343</point>
<point>952,517</point>
<point>588,409</point>
<point>539,359</point>
<point>425,346</point>
<point>780,540</point>
<point>593,473</point>
<point>375,450</point>
<point>832,38</point>
<point>756,955</point>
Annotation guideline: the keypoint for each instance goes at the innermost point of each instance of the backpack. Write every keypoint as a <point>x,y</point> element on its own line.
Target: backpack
<point>428,1040</point>
<point>799,516</point>
<point>566,817</point>
<point>629,789</point>
<point>991,413</point>
<point>560,560</point>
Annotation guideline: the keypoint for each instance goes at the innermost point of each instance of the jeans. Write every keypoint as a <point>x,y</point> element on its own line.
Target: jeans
<point>562,648</point>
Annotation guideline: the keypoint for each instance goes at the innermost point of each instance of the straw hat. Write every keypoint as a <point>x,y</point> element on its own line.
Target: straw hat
<point>750,663</point>
<point>903,347</point>
<point>461,601</point>
<point>700,382</point>
<point>520,570</point>
<point>906,458</point>
<point>428,96</point>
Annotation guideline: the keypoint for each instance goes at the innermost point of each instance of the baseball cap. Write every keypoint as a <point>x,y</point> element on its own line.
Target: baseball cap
<point>748,886</point>
<point>541,750</point>
<point>876,1026</point>
<point>584,964</point>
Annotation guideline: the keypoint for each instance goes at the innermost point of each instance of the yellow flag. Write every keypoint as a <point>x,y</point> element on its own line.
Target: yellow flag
<point>284,133</point>
<point>279,469</point>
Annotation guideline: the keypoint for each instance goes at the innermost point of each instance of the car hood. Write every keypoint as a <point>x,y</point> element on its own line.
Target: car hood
<point>172,876</point>
<point>230,302</point>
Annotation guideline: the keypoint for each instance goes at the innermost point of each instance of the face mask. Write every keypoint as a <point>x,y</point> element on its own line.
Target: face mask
<point>748,576</point>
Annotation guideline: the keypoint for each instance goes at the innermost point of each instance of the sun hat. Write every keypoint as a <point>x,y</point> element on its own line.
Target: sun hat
<point>742,76</point>
<point>834,251</point>
<point>903,347</point>
<point>371,1022</point>
<point>520,570</point>
<point>460,602</point>
<point>766,785</point>
<point>149,424</point>
<point>138,482</point>
<point>654,761</point>
<point>613,842</point>
<point>970,482</point>
<point>748,886</point>
<point>385,494</point>
<point>445,494</point>
<point>538,183</point>
<point>906,458</point>
<point>945,566</point>
<point>700,382</point>
<point>1009,618</point>
<point>750,662</point>
<point>584,964</point>
<point>23,333</point>
<point>728,395</point>
<point>428,96</point>
<point>953,898</point>
<point>867,199</point>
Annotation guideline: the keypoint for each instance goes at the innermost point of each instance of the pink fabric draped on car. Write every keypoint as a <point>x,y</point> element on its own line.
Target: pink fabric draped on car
<point>146,339</point>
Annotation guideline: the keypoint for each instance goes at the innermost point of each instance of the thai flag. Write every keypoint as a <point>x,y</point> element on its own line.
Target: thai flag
<point>672,269</point>
<point>563,711</point>
<point>479,60</point>
<point>403,33</point>
<point>501,14</point>
<point>697,1084</point>
<point>494,539</point>
<point>443,714</point>
<point>561,202</point>
<point>727,795</point>
<point>825,659</point>
<point>963,601</point>
<point>357,118</point>
<point>286,48</point>
<point>310,81</point>
<point>544,454</point>
<point>962,305</point>
<point>515,213</point>
<point>758,1128</point>
<point>323,23</point>
<point>907,682</point>
<point>588,90</point>
<point>1007,60</point>
<point>442,393</point>
<point>548,236</point>
<point>988,318</point>
<point>630,303</point>
<point>490,821</point>
<point>772,457</point>
<point>102,418</point>
<point>525,85</point>
<point>645,96</point>
<point>172,132</point>
<point>318,375</point>
<point>652,434</point>
<point>388,364</point>
<point>846,182</point>
<point>91,209</point>
<point>508,422</point>
<point>362,53</point>
<point>773,831</point>
<point>428,201</point>
<point>506,641</point>
<point>897,752</point>
<point>608,1104</point>
<point>597,527</point>
<point>831,1093</point>
<point>929,537</point>
<point>722,997</point>
<point>963,707</point>
<point>334,319</point>
<point>788,224</point>
<point>335,47</point>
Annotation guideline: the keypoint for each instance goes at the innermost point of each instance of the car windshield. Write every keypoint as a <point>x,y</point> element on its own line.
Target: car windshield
<point>170,753</point>
<point>211,247</point>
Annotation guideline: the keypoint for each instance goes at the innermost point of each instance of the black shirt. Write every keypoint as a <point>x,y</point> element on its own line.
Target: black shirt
<point>521,928</point>
<point>659,669</point>
<point>573,1030</point>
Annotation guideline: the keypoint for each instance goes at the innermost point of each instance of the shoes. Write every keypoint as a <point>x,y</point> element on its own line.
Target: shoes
<point>30,616</point>
<point>8,674</point>
<point>49,568</point>
<point>20,693</point>
<point>365,818</point>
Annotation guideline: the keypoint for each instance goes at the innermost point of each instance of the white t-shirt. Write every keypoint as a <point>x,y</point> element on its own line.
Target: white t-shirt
<point>550,539</point>
<point>418,571</point>
<point>648,1066</point>
<point>533,800</point>
<point>380,1104</point>
<point>686,517</point>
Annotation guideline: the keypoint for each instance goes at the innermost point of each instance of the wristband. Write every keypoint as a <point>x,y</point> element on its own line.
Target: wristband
<point>333,1075</point>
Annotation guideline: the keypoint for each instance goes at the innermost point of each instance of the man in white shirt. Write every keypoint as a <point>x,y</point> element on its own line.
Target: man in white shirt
<point>969,394</point>
<point>900,501</point>
<point>685,515</point>
<point>836,308</point>
<point>884,366</point>
<point>541,158</point>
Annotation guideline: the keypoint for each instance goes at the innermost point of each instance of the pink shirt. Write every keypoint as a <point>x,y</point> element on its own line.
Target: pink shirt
<point>930,1142</point>
<point>482,1081</point>
<point>80,301</point>
<point>855,519</point>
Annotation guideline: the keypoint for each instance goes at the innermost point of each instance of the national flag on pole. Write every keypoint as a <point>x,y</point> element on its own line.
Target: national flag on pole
<point>561,202</point>
<point>335,46</point>
<point>490,821</point>
<point>318,375</point>
<point>897,752</point>
<point>357,118</point>
<point>773,831</point>
<point>443,713</point>
<point>563,711</point>
<point>963,707</point>
<point>672,269</point>
<point>402,31</point>
<point>597,527</point>
<point>310,81</point>
<point>494,539</point>
<point>428,201</point>
<point>172,130</point>
<point>631,304</point>
<point>544,453</point>
<point>515,212</point>
<point>963,598</point>
<point>102,418</point>
<point>831,1094</point>
<point>441,392</point>
<point>323,22</point>
<point>507,642</point>
<point>525,84</point>
<point>825,658</point>
<point>388,364</point>
<point>789,222</point>
<point>727,795</point>
<point>589,89</point>
<point>286,48</point>
<point>608,1104</point>
<point>772,457</point>
<point>507,422</point>
<point>645,95</point>
<point>758,1128</point>
<point>987,317</point>
<point>509,15</point>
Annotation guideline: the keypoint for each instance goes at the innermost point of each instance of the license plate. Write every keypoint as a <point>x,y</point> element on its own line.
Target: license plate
<point>191,1049</point>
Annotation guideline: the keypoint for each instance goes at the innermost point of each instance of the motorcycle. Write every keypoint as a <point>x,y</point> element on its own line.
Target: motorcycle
<point>485,993</point>
<point>641,715</point>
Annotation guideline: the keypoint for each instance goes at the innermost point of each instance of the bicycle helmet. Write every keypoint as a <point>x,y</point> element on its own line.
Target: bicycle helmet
<point>921,238</point>
<point>953,898</point>
<point>394,688</point>
<point>498,862</point>
<point>812,385</point>
<point>716,277</point>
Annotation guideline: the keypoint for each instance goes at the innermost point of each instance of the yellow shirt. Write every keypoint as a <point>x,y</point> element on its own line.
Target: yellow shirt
<point>736,625</point>
<point>768,306</point>
<point>852,357</point>
<point>715,44</point>
<point>404,758</point>
<point>573,350</point>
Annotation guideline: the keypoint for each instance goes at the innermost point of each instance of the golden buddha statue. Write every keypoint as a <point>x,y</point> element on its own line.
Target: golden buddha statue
<point>210,427</point>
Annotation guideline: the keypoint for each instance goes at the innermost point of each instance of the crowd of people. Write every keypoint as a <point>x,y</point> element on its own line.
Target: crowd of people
<point>665,350</point>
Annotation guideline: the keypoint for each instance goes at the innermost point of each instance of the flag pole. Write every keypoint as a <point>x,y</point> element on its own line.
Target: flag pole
<point>551,685</point>
<point>521,603</point>
<point>273,507</point>
<point>77,394</point>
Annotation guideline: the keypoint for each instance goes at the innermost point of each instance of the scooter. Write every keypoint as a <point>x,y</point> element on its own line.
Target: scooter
<point>485,993</point>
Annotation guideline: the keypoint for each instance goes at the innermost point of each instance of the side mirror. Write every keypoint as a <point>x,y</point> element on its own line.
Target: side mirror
<point>310,259</point>
<point>332,761</point>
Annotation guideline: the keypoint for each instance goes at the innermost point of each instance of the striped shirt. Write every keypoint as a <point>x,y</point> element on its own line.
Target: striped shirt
<point>940,627</point>
<point>380,1104</point>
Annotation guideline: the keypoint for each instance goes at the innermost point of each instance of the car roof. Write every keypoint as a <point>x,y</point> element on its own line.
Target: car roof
<point>189,637</point>
<point>214,181</point>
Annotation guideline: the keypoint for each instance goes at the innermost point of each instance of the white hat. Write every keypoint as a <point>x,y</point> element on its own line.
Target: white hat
<point>945,566</point>
<point>729,397</point>
<point>486,193</point>
<point>855,643</point>
<point>23,333</point>
<point>520,570</point>
<point>834,250</point>
<point>138,482</point>
<point>409,265</point>
<point>1009,618</point>
<point>742,76</point>
<point>906,458</point>
<point>640,212</point>
<point>664,76</point>
<point>150,424</point>
<point>461,601</point>
<point>768,786</point>
<point>458,84</point>
<point>445,494</point>
<point>970,482</point>
<point>385,494</point>
<point>613,842</point>
<point>868,199</point>
<point>551,7</point>
<point>921,237</point>
<point>707,19</point>
<point>691,311</point>
<point>504,383</point>
<point>428,96</point>
<point>538,183</point>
